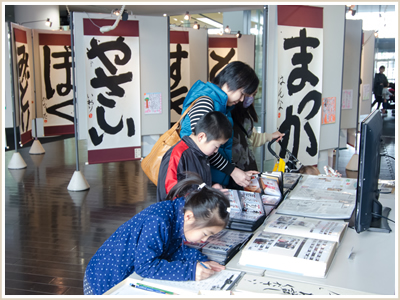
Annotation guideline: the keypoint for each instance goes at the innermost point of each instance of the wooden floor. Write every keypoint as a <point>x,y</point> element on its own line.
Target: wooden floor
<point>51,233</point>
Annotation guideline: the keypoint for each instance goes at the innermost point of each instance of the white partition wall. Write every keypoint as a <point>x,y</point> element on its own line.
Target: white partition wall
<point>367,71</point>
<point>334,23</point>
<point>351,74</point>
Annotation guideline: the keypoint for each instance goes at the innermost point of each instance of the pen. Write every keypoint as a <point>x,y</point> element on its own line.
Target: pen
<point>150,288</point>
<point>203,265</point>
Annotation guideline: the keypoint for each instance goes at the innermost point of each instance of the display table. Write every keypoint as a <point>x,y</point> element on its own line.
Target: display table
<point>371,267</point>
<point>363,263</point>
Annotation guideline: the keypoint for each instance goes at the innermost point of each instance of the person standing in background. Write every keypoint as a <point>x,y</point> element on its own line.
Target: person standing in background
<point>380,82</point>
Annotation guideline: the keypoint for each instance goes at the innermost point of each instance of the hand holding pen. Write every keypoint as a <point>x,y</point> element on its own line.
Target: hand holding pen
<point>207,269</point>
<point>203,271</point>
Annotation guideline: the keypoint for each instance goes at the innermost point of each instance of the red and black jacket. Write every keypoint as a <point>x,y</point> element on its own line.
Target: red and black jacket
<point>182,157</point>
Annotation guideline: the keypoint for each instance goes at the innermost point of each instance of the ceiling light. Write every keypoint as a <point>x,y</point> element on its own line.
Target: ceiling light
<point>164,15</point>
<point>210,22</point>
<point>187,16</point>
<point>115,11</point>
<point>48,22</point>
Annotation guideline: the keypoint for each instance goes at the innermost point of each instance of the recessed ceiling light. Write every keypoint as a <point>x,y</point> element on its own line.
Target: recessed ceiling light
<point>164,15</point>
<point>210,22</point>
<point>175,19</point>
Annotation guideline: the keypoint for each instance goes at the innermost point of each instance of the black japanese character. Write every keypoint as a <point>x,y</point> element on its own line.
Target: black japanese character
<point>303,58</point>
<point>222,62</point>
<point>98,50</point>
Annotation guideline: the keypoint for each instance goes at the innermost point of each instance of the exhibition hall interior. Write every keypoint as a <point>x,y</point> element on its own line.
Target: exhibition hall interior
<point>90,89</point>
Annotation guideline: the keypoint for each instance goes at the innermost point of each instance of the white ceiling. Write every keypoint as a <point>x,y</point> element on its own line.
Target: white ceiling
<point>151,9</point>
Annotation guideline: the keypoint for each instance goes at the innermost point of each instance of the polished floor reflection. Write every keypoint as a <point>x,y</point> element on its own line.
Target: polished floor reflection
<point>51,233</point>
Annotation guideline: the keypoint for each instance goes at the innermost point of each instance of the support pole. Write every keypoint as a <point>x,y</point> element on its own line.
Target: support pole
<point>16,162</point>
<point>78,181</point>
<point>264,81</point>
<point>36,147</point>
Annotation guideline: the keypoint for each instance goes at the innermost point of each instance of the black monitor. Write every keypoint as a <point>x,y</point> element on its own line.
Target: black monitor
<point>369,213</point>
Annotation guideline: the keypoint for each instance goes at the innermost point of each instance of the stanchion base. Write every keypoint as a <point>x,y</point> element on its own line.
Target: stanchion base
<point>78,182</point>
<point>17,162</point>
<point>353,163</point>
<point>36,148</point>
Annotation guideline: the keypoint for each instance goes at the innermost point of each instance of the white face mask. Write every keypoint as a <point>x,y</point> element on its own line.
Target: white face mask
<point>248,100</point>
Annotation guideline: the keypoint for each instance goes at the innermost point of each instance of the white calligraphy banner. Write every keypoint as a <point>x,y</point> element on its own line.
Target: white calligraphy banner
<point>24,76</point>
<point>113,91</point>
<point>221,51</point>
<point>56,83</point>
<point>300,60</point>
<point>179,71</point>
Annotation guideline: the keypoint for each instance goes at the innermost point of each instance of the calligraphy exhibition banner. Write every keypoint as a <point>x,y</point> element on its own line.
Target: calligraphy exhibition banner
<point>56,83</point>
<point>300,58</point>
<point>113,90</point>
<point>179,71</point>
<point>24,77</point>
<point>222,51</point>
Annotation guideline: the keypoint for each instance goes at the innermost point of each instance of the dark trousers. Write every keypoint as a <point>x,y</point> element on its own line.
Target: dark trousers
<point>378,99</point>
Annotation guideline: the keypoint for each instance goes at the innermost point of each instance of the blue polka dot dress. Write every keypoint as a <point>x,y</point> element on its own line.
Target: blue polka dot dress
<point>150,244</point>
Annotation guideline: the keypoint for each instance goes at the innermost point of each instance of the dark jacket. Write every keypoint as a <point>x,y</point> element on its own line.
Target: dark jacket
<point>380,82</point>
<point>150,244</point>
<point>220,99</point>
<point>184,156</point>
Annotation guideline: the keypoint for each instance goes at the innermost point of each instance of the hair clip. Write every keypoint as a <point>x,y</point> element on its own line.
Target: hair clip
<point>228,209</point>
<point>201,186</point>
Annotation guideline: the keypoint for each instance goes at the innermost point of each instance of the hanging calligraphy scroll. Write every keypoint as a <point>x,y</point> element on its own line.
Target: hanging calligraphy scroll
<point>24,76</point>
<point>179,71</point>
<point>222,51</point>
<point>56,83</point>
<point>300,59</point>
<point>113,90</point>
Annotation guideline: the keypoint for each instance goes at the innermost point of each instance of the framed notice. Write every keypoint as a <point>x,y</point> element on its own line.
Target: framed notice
<point>366,91</point>
<point>347,99</point>
<point>152,103</point>
<point>328,110</point>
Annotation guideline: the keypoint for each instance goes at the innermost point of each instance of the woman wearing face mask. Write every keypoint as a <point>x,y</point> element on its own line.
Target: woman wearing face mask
<point>230,87</point>
<point>245,136</point>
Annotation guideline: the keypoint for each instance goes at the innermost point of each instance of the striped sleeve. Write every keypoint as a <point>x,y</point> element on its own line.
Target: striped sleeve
<point>218,161</point>
<point>199,109</point>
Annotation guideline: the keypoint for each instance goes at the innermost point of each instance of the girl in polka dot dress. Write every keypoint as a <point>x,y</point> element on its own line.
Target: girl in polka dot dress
<point>152,242</point>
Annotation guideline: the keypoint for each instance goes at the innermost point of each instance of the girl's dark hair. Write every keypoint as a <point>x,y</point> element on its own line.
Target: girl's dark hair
<point>215,125</point>
<point>239,113</point>
<point>209,205</point>
<point>237,75</point>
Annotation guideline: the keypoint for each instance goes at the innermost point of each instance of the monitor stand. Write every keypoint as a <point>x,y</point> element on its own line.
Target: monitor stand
<point>381,224</point>
<point>377,224</point>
